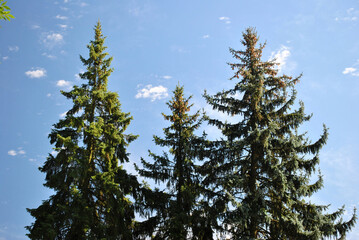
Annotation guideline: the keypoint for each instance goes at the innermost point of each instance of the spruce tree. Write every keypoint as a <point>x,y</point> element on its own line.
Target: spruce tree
<point>262,169</point>
<point>92,190</point>
<point>177,170</point>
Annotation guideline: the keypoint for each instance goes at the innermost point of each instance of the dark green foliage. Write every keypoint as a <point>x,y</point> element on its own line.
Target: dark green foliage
<point>177,215</point>
<point>260,172</point>
<point>92,191</point>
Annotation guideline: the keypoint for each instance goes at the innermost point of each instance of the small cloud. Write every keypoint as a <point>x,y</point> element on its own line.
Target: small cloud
<point>52,39</point>
<point>83,4</point>
<point>36,73</point>
<point>64,84</point>
<point>223,18</point>
<point>48,55</point>
<point>62,115</point>
<point>14,48</point>
<point>226,20</point>
<point>167,77</point>
<point>21,152</point>
<point>350,16</point>
<point>154,93</point>
<point>352,71</point>
<point>56,37</point>
<point>63,26</point>
<point>61,17</point>
<point>5,58</point>
<point>281,56</point>
<point>66,1</point>
<point>205,36</point>
<point>12,153</point>
<point>349,70</point>
<point>48,95</point>
<point>32,160</point>
<point>35,26</point>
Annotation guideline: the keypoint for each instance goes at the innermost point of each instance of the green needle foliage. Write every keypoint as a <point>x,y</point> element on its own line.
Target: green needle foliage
<point>262,168</point>
<point>92,190</point>
<point>175,209</point>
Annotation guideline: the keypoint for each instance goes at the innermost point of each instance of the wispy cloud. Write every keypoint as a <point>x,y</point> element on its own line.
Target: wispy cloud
<point>350,15</point>
<point>226,20</point>
<point>61,17</point>
<point>48,95</point>
<point>63,26</point>
<point>14,153</point>
<point>152,92</point>
<point>281,57</point>
<point>35,26</point>
<point>351,71</point>
<point>167,77</point>
<point>62,115</point>
<point>14,48</point>
<point>5,58</point>
<point>139,10</point>
<point>36,73</point>
<point>52,39</point>
<point>83,4</point>
<point>48,55</point>
<point>205,36</point>
<point>64,84</point>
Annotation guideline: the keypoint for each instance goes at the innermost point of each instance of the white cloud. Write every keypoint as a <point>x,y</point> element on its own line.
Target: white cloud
<point>63,26</point>
<point>63,114</point>
<point>35,26</point>
<point>83,4</point>
<point>5,58</point>
<point>14,48</point>
<point>154,93</point>
<point>167,77</point>
<point>66,1</point>
<point>48,55</point>
<point>64,84</point>
<point>351,15</point>
<point>21,152</point>
<point>223,18</point>
<point>48,95</point>
<point>349,70</point>
<point>61,17</point>
<point>52,39</point>
<point>226,20</point>
<point>56,37</point>
<point>12,153</point>
<point>281,56</point>
<point>36,73</point>
<point>205,36</point>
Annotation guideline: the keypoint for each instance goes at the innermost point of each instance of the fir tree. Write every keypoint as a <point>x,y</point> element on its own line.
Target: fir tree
<point>261,170</point>
<point>92,190</point>
<point>176,208</point>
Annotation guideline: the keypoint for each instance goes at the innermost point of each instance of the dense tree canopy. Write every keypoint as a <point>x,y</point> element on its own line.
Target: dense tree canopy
<point>92,190</point>
<point>178,216</point>
<point>263,167</point>
<point>252,183</point>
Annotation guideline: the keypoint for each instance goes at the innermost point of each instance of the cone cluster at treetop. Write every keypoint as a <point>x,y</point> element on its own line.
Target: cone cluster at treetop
<point>252,183</point>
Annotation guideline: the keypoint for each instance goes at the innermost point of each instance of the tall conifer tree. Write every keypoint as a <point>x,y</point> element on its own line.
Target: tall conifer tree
<point>263,166</point>
<point>91,199</point>
<point>175,212</point>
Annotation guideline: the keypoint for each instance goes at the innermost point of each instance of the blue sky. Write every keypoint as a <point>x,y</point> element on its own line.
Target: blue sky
<point>155,45</point>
